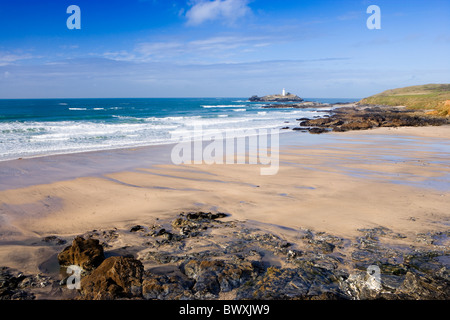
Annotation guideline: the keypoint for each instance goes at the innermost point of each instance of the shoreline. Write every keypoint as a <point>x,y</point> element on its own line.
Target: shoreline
<point>145,155</point>
<point>337,184</point>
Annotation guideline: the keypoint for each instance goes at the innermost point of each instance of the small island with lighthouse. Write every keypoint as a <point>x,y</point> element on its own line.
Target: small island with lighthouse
<point>283,97</point>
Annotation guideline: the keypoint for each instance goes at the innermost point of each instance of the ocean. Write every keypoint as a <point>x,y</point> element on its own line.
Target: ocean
<point>37,127</point>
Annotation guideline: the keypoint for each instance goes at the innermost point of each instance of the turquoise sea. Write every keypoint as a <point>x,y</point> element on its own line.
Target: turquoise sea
<point>35,127</point>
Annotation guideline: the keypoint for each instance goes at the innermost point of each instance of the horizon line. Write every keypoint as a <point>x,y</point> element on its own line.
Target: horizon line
<point>211,97</point>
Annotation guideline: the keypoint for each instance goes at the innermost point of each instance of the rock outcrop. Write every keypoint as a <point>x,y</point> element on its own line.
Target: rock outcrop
<point>15,285</point>
<point>198,256</point>
<point>364,117</point>
<point>88,254</point>
<point>116,277</point>
<point>215,276</point>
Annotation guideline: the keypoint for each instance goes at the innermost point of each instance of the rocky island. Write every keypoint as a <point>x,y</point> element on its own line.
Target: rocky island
<point>283,97</point>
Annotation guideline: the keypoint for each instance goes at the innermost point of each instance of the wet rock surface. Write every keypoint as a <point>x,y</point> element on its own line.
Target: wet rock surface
<point>363,117</point>
<point>199,255</point>
<point>15,285</point>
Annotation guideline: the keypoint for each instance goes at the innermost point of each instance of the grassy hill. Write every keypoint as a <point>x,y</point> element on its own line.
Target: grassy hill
<point>434,97</point>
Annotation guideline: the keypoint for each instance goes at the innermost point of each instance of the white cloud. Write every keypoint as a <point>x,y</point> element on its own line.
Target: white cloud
<point>226,10</point>
<point>214,49</point>
<point>157,50</point>
<point>7,58</point>
<point>222,43</point>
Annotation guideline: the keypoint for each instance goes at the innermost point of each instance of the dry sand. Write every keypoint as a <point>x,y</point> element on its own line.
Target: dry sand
<point>395,178</point>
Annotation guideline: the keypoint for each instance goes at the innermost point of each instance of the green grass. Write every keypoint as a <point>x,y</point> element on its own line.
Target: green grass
<point>434,97</point>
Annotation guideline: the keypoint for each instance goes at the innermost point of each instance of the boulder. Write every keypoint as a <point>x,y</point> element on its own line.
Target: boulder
<point>137,228</point>
<point>88,254</point>
<point>115,278</point>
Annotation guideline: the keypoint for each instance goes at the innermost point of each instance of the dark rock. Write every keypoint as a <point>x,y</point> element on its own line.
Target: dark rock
<point>217,276</point>
<point>9,286</point>
<point>88,254</point>
<point>161,257</point>
<point>161,232</point>
<point>425,261</point>
<point>317,130</point>
<point>167,287</point>
<point>419,286</point>
<point>363,118</point>
<point>116,277</point>
<point>205,216</point>
<point>268,286</point>
<point>192,223</point>
<point>14,285</point>
<point>323,246</point>
<point>251,262</point>
<point>137,228</point>
<point>315,283</point>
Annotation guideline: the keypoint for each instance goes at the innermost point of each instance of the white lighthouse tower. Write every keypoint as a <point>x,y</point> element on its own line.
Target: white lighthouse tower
<point>283,93</point>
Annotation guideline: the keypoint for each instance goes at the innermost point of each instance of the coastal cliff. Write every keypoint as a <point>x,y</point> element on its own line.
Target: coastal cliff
<point>435,98</point>
<point>416,106</point>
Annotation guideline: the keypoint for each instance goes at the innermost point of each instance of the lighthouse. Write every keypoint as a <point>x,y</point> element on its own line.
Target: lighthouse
<point>283,93</point>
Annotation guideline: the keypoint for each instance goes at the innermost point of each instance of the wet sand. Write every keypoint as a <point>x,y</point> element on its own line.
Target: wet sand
<point>335,183</point>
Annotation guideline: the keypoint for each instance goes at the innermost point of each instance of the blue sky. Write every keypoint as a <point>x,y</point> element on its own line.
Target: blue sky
<point>220,48</point>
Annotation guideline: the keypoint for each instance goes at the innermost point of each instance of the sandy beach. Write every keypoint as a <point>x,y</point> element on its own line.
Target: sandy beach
<point>338,183</point>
